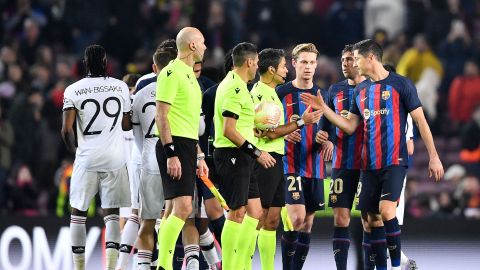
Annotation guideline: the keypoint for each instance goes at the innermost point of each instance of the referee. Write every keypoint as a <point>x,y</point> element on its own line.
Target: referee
<point>235,155</point>
<point>178,103</point>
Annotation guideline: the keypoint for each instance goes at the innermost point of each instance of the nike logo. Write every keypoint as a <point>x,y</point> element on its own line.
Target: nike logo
<point>336,251</point>
<point>291,104</point>
<point>363,99</point>
<point>169,72</point>
<point>321,204</point>
<point>237,90</point>
<point>383,195</point>
<point>340,100</point>
<point>290,253</point>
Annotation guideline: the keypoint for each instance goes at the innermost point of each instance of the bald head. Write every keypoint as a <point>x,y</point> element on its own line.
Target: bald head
<point>186,36</point>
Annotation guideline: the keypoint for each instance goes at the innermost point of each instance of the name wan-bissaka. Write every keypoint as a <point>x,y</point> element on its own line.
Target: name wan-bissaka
<point>98,89</point>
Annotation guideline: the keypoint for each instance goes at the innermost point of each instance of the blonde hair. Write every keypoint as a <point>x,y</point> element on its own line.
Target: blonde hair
<point>304,47</point>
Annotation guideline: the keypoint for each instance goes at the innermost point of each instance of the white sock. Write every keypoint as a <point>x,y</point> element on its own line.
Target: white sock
<point>157,224</point>
<point>207,244</point>
<point>144,258</point>
<point>191,256</point>
<point>112,238</point>
<point>403,259</point>
<point>129,235</point>
<point>78,238</point>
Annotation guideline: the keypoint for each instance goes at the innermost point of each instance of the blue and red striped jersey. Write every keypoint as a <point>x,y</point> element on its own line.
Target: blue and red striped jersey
<point>301,158</point>
<point>384,106</point>
<point>347,152</point>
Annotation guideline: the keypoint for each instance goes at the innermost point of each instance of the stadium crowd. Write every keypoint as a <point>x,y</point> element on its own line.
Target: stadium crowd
<point>434,43</point>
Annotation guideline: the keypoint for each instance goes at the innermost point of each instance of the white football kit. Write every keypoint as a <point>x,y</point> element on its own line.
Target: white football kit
<point>401,202</point>
<point>100,158</point>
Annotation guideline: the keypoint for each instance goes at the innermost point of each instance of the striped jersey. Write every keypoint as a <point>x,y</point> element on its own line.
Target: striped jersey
<point>302,158</point>
<point>347,152</point>
<point>383,106</point>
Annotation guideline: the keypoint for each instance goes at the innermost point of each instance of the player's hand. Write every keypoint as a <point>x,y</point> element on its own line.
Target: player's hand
<point>202,168</point>
<point>410,147</point>
<point>327,151</point>
<point>435,168</point>
<point>321,137</point>
<point>266,160</point>
<point>311,117</point>
<point>293,137</point>
<point>316,102</point>
<point>259,133</point>
<point>174,168</point>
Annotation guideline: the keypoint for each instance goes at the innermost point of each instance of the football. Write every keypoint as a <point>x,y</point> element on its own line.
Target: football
<point>267,115</point>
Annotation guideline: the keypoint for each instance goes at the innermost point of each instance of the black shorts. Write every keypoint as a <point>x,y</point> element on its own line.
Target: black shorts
<point>377,185</point>
<point>237,182</point>
<point>271,184</point>
<point>187,153</point>
<point>306,191</point>
<point>343,188</point>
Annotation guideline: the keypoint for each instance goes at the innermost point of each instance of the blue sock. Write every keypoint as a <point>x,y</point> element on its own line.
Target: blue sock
<point>368,261</point>
<point>289,246</point>
<point>341,243</point>
<point>393,232</point>
<point>216,226</point>
<point>379,247</point>
<point>302,250</point>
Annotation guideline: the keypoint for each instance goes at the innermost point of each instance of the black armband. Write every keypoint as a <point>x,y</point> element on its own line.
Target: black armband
<point>230,114</point>
<point>170,150</point>
<point>250,149</point>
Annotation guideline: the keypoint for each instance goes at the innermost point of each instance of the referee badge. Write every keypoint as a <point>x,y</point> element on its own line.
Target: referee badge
<point>385,95</point>
<point>296,195</point>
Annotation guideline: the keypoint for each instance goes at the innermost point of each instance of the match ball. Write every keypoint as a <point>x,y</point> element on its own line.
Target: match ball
<point>267,115</point>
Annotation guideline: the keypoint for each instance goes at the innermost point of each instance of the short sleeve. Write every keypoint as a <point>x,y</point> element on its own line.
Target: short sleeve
<point>409,96</point>
<point>68,100</point>
<point>232,101</point>
<point>353,105</point>
<point>127,104</point>
<point>167,86</point>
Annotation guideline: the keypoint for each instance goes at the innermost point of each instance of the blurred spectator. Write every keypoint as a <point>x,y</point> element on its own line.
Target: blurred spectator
<point>471,139</point>
<point>6,143</point>
<point>422,66</point>
<point>22,194</point>
<point>345,20</point>
<point>30,42</point>
<point>464,93</point>
<point>443,205</point>
<point>25,116</point>
<point>395,49</point>
<point>453,51</point>
<point>387,15</point>
<point>469,200</point>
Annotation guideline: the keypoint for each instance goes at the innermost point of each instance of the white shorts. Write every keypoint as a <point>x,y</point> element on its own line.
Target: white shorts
<point>151,195</point>
<point>112,186</point>
<point>401,204</point>
<point>134,171</point>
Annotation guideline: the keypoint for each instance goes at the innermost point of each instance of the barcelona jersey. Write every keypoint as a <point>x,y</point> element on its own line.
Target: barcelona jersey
<point>347,153</point>
<point>302,158</point>
<point>384,105</point>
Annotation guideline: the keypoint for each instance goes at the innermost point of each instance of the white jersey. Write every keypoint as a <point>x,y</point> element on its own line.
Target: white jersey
<point>100,103</point>
<point>143,116</point>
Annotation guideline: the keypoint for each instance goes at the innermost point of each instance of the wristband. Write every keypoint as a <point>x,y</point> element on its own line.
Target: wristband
<point>201,156</point>
<point>300,123</point>
<point>170,150</point>
<point>250,149</point>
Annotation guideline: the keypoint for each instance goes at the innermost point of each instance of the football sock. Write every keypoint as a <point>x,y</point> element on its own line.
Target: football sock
<point>341,244</point>
<point>379,247</point>
<point>112,239</point>
<point>289,246</point>
<point>230,236</point>
<point>302,250</point>
<point>393,232</point>
<point>129,235</point>
<point>78,238</point>
<point>168,235</point>
<point>267,248</point>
